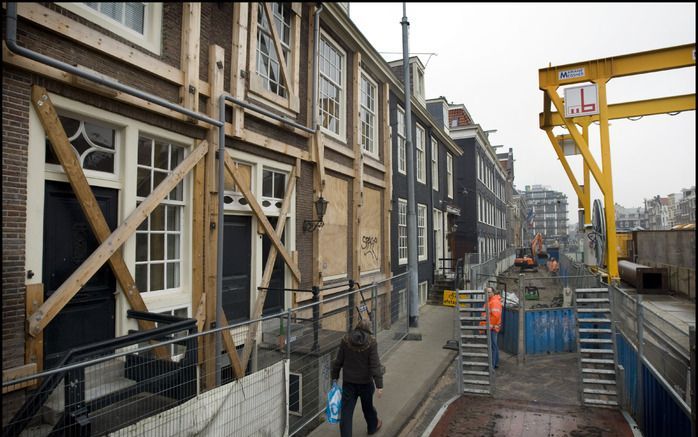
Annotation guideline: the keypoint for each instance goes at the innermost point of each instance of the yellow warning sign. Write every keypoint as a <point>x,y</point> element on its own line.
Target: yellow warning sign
<point>449,298</point>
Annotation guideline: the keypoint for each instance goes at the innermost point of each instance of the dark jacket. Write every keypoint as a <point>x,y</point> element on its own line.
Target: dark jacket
<point>358,356</point>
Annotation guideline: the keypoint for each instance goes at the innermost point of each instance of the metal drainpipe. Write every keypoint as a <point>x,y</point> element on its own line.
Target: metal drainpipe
<point>412,265</point>
<point>316,53</point>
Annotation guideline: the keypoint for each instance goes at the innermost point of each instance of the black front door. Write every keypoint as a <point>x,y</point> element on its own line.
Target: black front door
<point>237,261</point>
<point>68,241</point>
<point>274,303</point>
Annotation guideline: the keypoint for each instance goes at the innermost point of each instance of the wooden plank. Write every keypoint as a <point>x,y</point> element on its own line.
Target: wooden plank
<point>279,51</point>
<point>88,203</point>
<point>200,314</point>
<point>229,343</point>
<point>357,180</point>
<point>198,233</point>
<point>238,63</point>
<point>257,210</point>
<point>34,346</point>
<point>387,192</point>
<point>216,58</point>
<point>49,309</point>
<point>268,143</point>
<point>268,269</point>
<point>35,67</point>
<point>191,36</point>
<point>80,33</point>
<point>294,99</point>
<point>18,372</point>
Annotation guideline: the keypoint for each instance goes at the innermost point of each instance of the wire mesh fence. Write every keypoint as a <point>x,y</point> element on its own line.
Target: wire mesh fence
<point>169,381</point>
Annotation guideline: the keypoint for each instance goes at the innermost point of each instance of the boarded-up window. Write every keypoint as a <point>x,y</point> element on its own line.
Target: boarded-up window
<point>334,234</point>
<point>370,231</point>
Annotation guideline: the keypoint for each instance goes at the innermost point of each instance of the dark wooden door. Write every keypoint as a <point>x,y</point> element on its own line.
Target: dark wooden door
<point>68,241</point>
<point>237,262</point>
<point>274,303</point>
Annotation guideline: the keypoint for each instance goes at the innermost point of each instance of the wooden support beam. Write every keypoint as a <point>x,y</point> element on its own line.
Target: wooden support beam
<point>34,346</point>
<point>229,343</point>
<point>49,309</point>
<point>279,53</point>
<point>239,63</point>
<point>268,269</point>
<point>191,36</point>
<point>16,373</point>
<point>357,180</point>
<point>199,223</point>
<point>261,217</point>
<point>216,69</point>
<point>88,203</point>
<point>387,192</point>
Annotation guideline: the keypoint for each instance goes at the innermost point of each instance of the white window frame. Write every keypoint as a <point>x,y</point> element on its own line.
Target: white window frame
<point>152,24</point>
<point>449,174</point>
<point>402,229</point>
<point>341,116</point>
<point>290,103</point>
<point>420,147</point>
<point>422,237</point>
<point>127,155</point>
<point>434,164</point>
<point>371,113</point>
<point>438,235</point>
<point>401,142</point>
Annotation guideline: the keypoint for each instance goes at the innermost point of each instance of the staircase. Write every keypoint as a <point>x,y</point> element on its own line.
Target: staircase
<point>475,358</point>
<point>597,347</point>
<point>436,291</point>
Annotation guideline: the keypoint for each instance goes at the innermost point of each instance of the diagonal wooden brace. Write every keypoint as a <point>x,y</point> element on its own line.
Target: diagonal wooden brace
<point>268,269</point>
<point>47,311</point>
<point>64,152</point>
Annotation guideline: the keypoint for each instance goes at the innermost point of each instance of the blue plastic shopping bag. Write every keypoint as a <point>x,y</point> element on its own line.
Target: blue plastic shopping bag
<point>334,403</point>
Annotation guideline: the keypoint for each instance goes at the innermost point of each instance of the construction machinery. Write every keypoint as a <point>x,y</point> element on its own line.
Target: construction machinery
<point>527,257</point>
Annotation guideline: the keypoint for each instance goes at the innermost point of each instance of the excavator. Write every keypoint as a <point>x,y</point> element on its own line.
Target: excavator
<point>526,257</point>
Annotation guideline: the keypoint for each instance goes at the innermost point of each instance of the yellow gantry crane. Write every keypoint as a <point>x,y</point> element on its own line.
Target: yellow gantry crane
<point>585,104</point>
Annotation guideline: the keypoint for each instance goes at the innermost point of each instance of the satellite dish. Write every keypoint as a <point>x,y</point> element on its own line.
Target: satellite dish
<point>598,223</point>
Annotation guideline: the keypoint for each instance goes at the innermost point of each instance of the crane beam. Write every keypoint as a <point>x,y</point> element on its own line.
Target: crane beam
<point>618,66</point>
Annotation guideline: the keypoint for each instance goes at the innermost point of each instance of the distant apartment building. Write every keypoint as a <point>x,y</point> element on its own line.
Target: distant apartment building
<point>673,210</point>
<point>547,210</point>
<point>630,219</point>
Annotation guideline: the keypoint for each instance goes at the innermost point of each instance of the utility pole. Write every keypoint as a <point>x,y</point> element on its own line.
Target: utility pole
<point>412,265</point>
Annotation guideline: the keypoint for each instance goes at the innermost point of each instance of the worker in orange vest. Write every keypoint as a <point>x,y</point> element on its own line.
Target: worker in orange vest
<point>494,301</point>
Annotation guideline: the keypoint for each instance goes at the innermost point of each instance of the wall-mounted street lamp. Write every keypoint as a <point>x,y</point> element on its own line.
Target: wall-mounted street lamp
<point>320,209</point>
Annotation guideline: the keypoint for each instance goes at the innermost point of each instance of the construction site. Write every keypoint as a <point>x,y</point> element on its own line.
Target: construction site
<point>201,200</point>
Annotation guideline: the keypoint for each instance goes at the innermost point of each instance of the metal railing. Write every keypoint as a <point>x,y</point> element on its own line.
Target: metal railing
<point>128,391</point>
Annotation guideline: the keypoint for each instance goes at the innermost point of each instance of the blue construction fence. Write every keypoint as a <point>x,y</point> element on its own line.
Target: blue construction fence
<point>549,330</point>
<point>552,330</point>
<point>663,416</point>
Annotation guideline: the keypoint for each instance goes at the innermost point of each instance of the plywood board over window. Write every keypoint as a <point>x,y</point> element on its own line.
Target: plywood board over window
<point>334,234</point>
<point>370,231</point>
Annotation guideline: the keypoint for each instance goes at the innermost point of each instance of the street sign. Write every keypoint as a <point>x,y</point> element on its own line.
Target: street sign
<point>581,101</point>
<point>449,298</point>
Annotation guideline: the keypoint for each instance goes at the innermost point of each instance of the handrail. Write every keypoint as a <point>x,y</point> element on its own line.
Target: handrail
<point>32,405</point>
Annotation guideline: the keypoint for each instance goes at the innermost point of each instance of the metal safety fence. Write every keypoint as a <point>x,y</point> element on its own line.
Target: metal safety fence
<point>166,382</point>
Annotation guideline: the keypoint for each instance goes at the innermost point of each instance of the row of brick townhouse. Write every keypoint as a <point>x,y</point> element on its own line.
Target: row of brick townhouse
<point>81,158</point>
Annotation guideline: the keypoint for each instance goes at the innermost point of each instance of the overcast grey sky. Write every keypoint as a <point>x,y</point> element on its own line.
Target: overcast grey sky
<point>488,57</point>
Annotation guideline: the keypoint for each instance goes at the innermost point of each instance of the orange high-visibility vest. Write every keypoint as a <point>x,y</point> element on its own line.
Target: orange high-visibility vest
<point>495,304</point>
